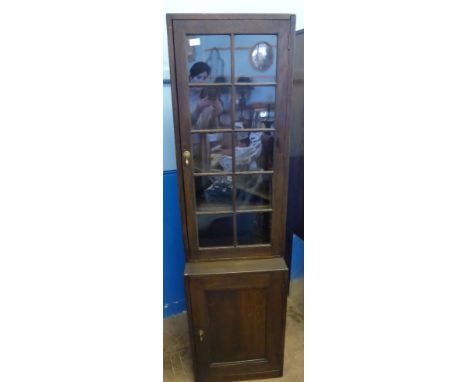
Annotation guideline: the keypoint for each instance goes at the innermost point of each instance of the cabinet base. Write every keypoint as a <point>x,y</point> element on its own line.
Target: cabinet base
<point>245,377</point>
<point>237,317</point>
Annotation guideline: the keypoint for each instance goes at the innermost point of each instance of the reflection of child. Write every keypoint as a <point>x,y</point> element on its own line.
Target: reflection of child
<point>205,107</point>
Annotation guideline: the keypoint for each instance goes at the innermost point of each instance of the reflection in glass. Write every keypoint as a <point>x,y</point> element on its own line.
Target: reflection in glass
<point>210,107</point>
<point>213,193</point>
<point>255,106</point>
<point>215,230</point>
<point>253,191</point>
<point>212,152</point>
<point>255,57</point>
<point>254,151</point>
<point>208,57</point>
<point>253,228</point>
<point>261,56</point>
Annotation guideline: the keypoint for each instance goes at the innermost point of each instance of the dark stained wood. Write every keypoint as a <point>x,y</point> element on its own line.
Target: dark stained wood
<point>194,27</point>
<point>183,112</point>
<point>295,214</point>
<point>233,144</point>
<point>221,84</point>
<point>296,178</point>
<point>217,173</point>
<point>235,266</point>
<point>242,316</point>
<point>241,252</point>
<point>211,131</point>
<point>255,84</point>
<point>236,296</point>
<point>227,211</point>
<point>190,309</point>
<point>283,122</point>
<point>234,339</point>
<point>282,27</point>
<point>228,16</point>
<point>175,113</point>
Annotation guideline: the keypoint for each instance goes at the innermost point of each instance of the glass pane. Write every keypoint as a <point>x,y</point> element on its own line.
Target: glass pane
<point>215,230</point>
<point>255,107</point>
<point>213,193</point>
<point>210,107</point>
<point>254,151</point>
<point>212,152</point>
<point>209,58</point>
<point>253,228</point>
<point>253,191</point>
<point>255,57</point>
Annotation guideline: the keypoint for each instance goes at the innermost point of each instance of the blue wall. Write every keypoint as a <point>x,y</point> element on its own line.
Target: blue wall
<point>297,258</point>
<point>173,248</point>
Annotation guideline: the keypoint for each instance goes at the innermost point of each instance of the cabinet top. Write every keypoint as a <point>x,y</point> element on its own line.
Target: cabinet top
<point>229,16</point>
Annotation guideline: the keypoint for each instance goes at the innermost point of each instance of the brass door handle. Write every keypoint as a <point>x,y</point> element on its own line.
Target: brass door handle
<point>201,333</point>
<point>186,156</point>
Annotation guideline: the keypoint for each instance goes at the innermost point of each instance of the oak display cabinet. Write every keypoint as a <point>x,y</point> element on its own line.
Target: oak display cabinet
<point>231,80</point>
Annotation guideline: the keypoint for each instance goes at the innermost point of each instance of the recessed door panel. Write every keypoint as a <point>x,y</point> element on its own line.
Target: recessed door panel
<point>238,323</point>
<point>231,338</point>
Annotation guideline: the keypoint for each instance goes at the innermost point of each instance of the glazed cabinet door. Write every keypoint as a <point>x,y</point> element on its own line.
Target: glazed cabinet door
<point>231,81</point>
<point>237,325</point>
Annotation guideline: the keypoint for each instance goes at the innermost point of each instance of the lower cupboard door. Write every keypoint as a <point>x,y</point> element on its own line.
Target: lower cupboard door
<point>237,325</point>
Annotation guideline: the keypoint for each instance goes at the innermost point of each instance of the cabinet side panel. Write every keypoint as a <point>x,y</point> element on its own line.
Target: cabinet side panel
<point>280,184</point>
<point>188,298</point>
<point>175,113</point>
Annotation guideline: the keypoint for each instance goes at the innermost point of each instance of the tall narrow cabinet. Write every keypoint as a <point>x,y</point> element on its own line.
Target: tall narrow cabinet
<point>231,78</point>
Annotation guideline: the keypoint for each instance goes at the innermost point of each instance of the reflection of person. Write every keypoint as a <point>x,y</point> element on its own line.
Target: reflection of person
<point>205,108</point>
<point>199,72</point>
<point>205,105</point>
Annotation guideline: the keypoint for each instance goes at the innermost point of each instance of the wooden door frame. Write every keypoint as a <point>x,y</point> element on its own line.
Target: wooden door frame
<point>284,26</point>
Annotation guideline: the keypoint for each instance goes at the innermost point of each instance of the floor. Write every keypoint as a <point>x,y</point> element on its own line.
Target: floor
<point>177,356</point>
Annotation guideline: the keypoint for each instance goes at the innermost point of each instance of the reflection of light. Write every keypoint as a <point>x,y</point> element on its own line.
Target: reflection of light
<point>194,41</point>
<point>263,50</point>
<point>256,53</point>
<point>263,114</point>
